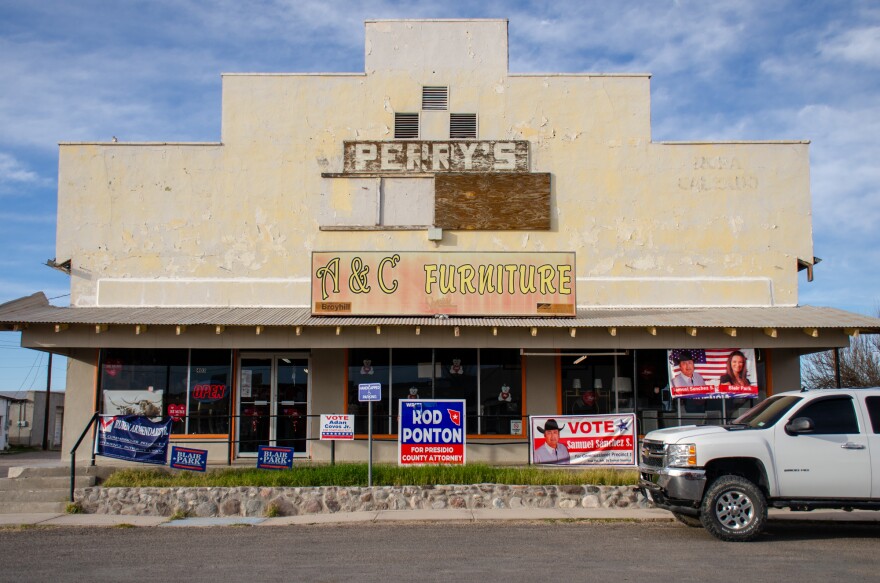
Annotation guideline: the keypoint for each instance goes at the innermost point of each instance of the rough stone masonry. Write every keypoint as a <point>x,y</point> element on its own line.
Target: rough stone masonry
<point>257,501</point>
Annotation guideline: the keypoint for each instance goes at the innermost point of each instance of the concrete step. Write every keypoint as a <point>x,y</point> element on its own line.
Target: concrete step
<point>53,495</point>
<point>45,483</point>
<point>100,472</point>
<point>31,507</point>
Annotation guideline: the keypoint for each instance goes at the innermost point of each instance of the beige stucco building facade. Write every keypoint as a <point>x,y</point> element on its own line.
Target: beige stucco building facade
<point>191,259</point>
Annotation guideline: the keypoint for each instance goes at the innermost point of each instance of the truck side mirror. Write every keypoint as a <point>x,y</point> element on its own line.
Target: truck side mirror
<point>799,425</point>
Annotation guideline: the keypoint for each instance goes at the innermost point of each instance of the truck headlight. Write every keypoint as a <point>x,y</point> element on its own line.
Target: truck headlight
<point>680,455</point>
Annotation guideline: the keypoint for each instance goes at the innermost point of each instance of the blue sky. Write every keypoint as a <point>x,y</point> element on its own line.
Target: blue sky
<point>149,70</point>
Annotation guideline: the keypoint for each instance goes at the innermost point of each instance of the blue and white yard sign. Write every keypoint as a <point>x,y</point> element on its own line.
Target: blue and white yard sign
<point>274,458</point>
<point>369,392</point>
<point>133,438</point>
<point>185,458</point>
<point>431,432</point>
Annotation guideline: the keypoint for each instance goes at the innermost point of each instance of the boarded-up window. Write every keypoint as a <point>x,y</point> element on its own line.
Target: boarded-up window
<point>407,202</point>
<point>348,202</point>
<point>462,126</point>
<point>492,202</point>
<point>406,126</point>
<point>376,202</point>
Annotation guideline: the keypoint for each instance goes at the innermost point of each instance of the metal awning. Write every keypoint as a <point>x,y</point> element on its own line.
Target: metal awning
<point>35,309</point>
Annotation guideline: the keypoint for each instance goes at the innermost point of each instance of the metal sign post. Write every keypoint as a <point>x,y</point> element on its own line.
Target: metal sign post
<point>370,392</point>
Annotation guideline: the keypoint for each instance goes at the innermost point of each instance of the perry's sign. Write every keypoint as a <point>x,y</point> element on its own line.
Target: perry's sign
<point>430,157</point>
<point>459,283</point>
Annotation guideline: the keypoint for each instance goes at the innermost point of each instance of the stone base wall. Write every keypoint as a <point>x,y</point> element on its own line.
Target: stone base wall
<point>254,501</point>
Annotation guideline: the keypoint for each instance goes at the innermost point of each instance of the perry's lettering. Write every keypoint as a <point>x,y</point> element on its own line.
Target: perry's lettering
<point>420,157</point>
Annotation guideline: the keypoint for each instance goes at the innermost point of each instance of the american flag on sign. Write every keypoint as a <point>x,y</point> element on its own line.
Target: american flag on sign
<point>711,363</point>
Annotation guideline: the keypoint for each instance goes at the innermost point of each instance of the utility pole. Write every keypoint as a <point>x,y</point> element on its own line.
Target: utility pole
<point>48,399</point>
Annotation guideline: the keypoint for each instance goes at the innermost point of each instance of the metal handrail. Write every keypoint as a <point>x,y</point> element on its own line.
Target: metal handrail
<point>73,452</point>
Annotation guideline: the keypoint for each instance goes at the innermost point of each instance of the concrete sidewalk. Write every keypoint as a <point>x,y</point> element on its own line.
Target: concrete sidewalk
<point>386,516</point>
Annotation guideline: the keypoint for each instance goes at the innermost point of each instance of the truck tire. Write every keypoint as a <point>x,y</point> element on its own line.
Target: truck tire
<point>734,509</point>
<point>688,520</point>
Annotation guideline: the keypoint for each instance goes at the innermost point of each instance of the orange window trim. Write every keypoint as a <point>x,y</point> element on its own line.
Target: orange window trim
<point>233,399</point>
<point>559,384</point>
<point>345,382</point>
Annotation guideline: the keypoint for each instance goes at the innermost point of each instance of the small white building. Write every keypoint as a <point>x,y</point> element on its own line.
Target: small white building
<point>4,421</point>
<point>27,417</point>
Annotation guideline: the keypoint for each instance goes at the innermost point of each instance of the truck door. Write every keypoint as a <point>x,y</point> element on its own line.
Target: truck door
<point>830,461</point>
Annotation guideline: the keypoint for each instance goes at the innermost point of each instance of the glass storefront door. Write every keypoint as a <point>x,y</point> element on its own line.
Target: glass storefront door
<point>273,402</point>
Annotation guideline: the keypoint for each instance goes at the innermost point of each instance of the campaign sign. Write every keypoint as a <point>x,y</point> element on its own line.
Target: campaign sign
<point>589,440</point>
<point>184,458</point>
<point>337,427</point>
<point>274,458</point>
<point>431,432</point>
<point>712,373</point>
<point>369,392</point>
<point>134,438</point>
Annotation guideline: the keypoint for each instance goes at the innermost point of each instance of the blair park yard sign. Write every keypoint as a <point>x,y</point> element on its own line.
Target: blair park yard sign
<point>376,283</point>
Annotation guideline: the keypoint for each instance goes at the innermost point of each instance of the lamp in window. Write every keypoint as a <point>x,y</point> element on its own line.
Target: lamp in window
<point>597,384</point>
<point>576,384</point>
<point>622,387</point>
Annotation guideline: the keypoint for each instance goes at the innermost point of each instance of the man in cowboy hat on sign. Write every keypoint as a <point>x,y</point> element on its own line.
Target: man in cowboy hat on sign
<point>552,452</point>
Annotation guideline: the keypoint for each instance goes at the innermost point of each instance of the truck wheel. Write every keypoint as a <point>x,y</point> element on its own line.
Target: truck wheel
<point>687,519</point>
<point>734,509</point>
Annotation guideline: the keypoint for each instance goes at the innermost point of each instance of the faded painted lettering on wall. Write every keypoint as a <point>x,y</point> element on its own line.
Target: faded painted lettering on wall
<point>427,157</point>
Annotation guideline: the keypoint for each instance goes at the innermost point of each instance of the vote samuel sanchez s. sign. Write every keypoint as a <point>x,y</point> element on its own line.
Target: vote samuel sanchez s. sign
<point>431,432</point>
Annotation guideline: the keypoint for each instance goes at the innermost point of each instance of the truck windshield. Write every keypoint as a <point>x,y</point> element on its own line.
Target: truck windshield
<point>766,413</point>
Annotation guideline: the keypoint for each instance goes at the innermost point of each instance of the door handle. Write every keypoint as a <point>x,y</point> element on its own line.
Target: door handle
<point>851,445</point>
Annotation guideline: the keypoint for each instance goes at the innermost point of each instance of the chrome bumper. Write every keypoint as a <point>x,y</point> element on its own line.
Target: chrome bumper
<point>672,486</point>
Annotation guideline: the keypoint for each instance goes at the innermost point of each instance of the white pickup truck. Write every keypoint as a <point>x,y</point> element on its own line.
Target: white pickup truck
<point>799,450</point>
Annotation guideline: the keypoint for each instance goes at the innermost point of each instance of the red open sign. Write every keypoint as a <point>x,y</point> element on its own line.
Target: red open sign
<point>208,392</point>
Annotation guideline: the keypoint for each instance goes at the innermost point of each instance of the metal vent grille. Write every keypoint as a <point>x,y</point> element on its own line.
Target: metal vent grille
<point>462,125</point>
<point>406,125</point>
<point>435,98</point>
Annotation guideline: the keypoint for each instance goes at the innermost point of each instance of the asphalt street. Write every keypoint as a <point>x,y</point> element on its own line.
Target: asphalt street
<point>509,552</point>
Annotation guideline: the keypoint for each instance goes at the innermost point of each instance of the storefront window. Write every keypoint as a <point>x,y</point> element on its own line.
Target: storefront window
<point>597,383</point>
<point>142,382</point>
<point>457,371</point>
<point>501,392</point>
<point>192,388</point>
<point>477,376</point>
<point>412,377</point>
<point>369,366</point>
<point>209,393</point>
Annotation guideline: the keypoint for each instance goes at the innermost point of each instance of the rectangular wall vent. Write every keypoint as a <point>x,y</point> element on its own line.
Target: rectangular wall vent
<point>435,98</point>
<point>406,125</point>
<point>462,125</point>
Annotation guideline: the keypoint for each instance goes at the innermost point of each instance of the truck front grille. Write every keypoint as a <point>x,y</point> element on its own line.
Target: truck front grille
<point>652,453</point>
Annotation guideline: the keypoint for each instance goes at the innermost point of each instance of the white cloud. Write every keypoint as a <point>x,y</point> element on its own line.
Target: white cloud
<point>861,46</point>
<point>16,179</point>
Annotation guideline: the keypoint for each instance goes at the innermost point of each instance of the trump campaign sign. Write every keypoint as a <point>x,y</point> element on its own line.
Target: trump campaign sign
<point>431,432</point>
<point>592,440</point>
